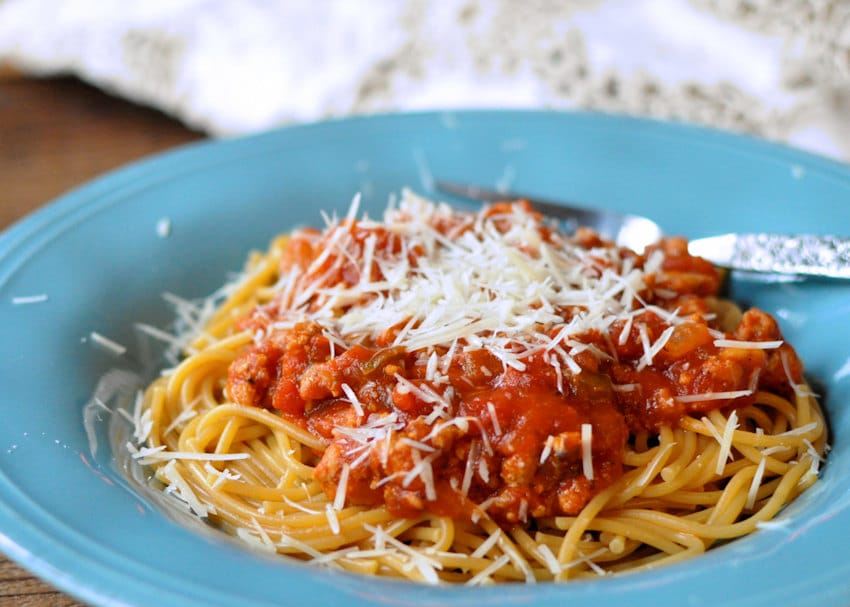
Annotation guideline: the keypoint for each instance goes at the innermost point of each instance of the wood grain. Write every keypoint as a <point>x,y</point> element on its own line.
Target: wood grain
<point>56,134</point>
<point>20,589</point>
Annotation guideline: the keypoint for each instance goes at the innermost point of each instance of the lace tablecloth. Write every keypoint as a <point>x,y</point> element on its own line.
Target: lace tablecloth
<point>776,68</point>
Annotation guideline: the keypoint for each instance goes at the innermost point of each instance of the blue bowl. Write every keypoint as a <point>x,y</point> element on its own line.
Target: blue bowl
<point>69,515</point>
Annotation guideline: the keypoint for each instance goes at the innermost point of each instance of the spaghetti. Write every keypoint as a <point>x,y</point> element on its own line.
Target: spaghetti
<point>476,397</point>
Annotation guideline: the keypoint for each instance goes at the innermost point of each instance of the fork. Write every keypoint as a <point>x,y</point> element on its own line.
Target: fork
<point>759,256</point>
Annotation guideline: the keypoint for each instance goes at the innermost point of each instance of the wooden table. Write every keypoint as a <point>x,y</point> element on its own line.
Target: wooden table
<point>56,134</point>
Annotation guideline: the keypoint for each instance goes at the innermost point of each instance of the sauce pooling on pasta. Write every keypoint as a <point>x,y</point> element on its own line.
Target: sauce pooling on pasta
<point>442,384</point>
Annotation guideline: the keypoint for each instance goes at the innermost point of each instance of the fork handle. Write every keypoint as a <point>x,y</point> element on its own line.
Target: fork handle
<point>801,254</point>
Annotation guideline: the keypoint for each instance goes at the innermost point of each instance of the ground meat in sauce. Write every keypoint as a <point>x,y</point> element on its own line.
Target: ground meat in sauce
<point>292,372</point>
<point>515,440</point>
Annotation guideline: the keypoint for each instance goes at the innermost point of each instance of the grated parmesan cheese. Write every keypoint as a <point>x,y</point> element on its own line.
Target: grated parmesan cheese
<point>287,541</point>
<point>655,348</point>
<point>694,398</point>
<point>491,411</point>
<point>756,483</point>
<point>800,431</point>
<point>352,397</point>
<point>547,448</point>
<point>107,344</point>
<point>21,300</point>
<point>725,440</point>
<point>333,521</point>
<point>163,227</point>
<point>342,488</point>
<point>481,287</point>
<point>220,475</point>
<point>151,455</point>
<point>748,345</point>
<point>487,545</point>
<point>549,559</point>
<point>183,491</point>
<point>468,471</point>
<point>485,575</point>
<point>426,566</point>
<point>798,389</point>
<point>588,560</point>
<point>587,451</point>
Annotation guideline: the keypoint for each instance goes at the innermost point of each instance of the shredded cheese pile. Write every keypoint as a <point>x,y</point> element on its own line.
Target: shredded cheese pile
<point>491,282</point>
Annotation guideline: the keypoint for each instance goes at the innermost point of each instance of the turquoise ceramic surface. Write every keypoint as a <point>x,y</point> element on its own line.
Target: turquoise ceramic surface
<point>97,255</point>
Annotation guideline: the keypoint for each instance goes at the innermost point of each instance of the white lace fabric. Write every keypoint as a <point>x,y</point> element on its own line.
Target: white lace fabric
<point>779,69</point>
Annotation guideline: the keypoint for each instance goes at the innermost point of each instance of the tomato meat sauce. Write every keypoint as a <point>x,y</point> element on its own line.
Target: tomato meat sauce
<point>454,429</point>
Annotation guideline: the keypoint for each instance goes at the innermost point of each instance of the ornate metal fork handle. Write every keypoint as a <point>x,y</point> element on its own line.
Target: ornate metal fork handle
<point>776,257</point>
<point>803,255</point>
